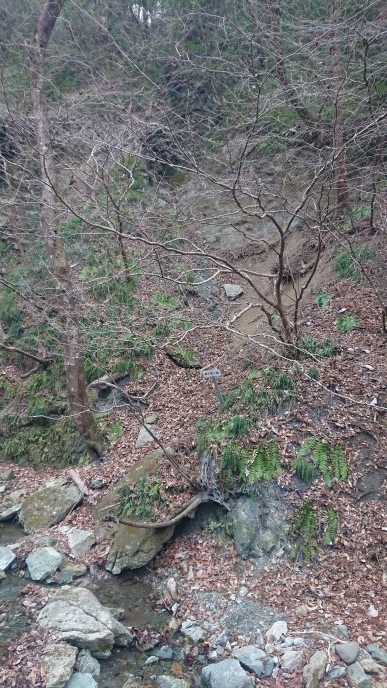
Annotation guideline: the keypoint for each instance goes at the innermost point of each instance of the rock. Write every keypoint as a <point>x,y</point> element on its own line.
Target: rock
<point>79,617</point>
<point>233,291</point>
<point>268,667</point>
<point>79,680</point>
<point>75,570</point>
<point>48,506</point>
<point>130,547</point>
<point>97,483</point>
<point>166,681</point>
<point>251,658</point>
<point>182,357</point>
<point>226,674</point>
<point>117,612</point>
<point>357,676</point>
<point>87,664</point>
<point>314,671</point>
<point>348,651</point>
<point>152,660</point>
<point>8,510</point>
<point>58,664</point>
<point>278,629</point>
<point>164,652</point>
<point>379,655</point>
<point>7,557</point>
<point>341,631</point>
<point>259,526</point>
<point>80,542</point>
<point>193,631</point>
<point>2,575</point>
<point>144,437</point>
<point>7,474</point>
<point>42,562</point>
<point>291,660</point>
<point>131,682</point>
<point>336,673</point>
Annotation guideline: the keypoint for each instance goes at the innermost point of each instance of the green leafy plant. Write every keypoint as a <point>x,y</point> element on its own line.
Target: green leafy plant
<point>318,454</point>
<point>319,349</point>
<point>346,263</point>
<point>236,426</point>
<point>313,373</point>
<point>322,299</point>
<point>347,322</point>
<point>313,526</point>
<point>140,498</point>
<point>240,465</point>
<point>165,300</point>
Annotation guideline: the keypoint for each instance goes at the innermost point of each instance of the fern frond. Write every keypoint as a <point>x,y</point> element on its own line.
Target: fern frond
<point>304,469</point>
<point>330,524</point>
<point>339,462</point>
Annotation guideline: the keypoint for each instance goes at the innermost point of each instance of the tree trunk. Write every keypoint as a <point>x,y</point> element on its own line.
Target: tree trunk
<point>340,167</point>
<point>50,229</point>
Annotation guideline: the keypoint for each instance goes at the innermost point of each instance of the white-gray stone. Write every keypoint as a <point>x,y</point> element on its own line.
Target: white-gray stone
<point>357,676</point>
<point>226,674</point>
<point>151,660</point>
<point>42,562</point>
<point>144,437</point>
<point>278,629</point>
<point>87,664</point>
<point>348,652</point>
<point>8,510</point>
<point>377,654</point>
<point>314,671</point>
<point>80,542</point>
<point>166,681</point>
<point>7,557</point>
<point>336,673</point>
<point>58,664</point>
<point>193,631</point>
<point>233,291</point>
<point>79,617</point>
<point>79,680</point>
<point>291,660</point>
<point>48,506</point>
<point>251,658</point>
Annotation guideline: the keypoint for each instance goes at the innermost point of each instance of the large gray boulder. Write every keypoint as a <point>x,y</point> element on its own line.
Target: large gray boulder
<point>259,525</point>
<point>251,658</point>
<point>131,547</point>
<point>48,506</point>
<point>80,618</point>
<point>314,671</point>
<point>7,557</point>
<point>58,664</point>
<point>226,674</point>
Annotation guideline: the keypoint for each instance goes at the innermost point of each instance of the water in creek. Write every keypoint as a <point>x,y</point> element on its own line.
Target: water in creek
<point>131,593</point>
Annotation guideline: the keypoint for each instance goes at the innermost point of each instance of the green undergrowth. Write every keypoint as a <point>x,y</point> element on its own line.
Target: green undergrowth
<point>261,392</point>
<point>314,526</point>
<point>140,499</point>
<point>316,455</point>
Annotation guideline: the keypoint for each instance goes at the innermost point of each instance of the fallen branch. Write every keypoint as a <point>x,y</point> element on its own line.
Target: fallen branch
<point>185,510</point>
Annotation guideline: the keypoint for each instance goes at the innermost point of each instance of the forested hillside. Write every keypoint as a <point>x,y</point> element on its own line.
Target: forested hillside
<point>195,192</point>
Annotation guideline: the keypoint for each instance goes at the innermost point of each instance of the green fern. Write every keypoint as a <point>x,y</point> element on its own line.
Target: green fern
<point>304,469</point>
<point>233,463</point>
<point>304,531</point>
<point>330,525</point>
<point>339,463</point>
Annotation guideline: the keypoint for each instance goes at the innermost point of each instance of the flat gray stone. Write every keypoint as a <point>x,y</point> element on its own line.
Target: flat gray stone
<point>166,681</point>
<point>79,680</point>
<point>87,664</point>
<point>278,629</point>
<point>226,674</point>
<point>7,557</point>
<point>193,631</point>
<point>144,437</point>
<point>348,652</point>
<point>358,677</point>
<point>314,671</point>
<point>291,660</point>
<point>376,652</point>
<point>233,291</point>
<point>8,510</point>
<point>251,658</point>
<point>80,542</point>
<point>336,673</point>
<point>42,562</point>
<point>7,474</point>
<point>48,506</point>
<point>58,664</point>
<point>164,652</point>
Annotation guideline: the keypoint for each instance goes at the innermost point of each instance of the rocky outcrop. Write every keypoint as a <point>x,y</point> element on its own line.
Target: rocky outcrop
<point>48,506</point>
<point>77,616</point>
<point>131,547</point>
<point>259,525</point>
